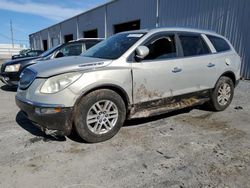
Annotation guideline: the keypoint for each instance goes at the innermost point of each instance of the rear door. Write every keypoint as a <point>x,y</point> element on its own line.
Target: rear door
<point>198,68</point>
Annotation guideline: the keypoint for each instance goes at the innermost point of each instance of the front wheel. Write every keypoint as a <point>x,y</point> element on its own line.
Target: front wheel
<point>99,115</point>
<point>222,94</point>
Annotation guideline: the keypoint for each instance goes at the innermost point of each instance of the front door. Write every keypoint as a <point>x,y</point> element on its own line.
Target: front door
<point>156,77</point>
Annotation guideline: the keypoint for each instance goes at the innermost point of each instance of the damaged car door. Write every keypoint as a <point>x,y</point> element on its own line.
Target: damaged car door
<point>157,75</point>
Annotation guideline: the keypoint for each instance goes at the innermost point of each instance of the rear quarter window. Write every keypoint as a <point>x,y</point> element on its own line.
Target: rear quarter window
<point>219,44</point>
<point>193,45</point>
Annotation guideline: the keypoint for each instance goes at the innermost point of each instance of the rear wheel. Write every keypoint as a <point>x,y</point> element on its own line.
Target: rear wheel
<point>222,94</point>
<point>100,115</point>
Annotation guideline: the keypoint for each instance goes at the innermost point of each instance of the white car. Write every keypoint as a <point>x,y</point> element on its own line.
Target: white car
<point>133,74</point>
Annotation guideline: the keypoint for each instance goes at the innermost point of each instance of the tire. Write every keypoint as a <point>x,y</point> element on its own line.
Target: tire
<point>222,95</point>
<point>99,115</point>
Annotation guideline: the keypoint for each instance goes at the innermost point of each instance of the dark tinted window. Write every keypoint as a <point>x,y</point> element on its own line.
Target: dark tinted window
<point>32,53</point>
<point>90,44</point>
<point>72,49</point>
<point>219,44</point>
<point>161,48</point>
<point>193,45</point>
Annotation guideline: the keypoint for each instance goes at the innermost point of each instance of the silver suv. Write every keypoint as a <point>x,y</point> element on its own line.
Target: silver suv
<point>130,75</point>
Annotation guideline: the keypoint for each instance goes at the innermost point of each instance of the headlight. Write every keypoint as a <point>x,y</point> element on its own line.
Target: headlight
<point>12,68</point>
<point>60,82</point>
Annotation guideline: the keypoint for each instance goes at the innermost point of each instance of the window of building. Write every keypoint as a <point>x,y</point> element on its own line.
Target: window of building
<point>45,45</point>
<point>193,45</point>
<point>68,38</point>
<point>128,26</point>
<point>162,47</point>
<point>219,44</point>
<point>91,33</point>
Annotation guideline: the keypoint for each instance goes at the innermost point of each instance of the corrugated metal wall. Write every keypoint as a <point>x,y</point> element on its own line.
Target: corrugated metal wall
<point>69,27</point>
<point>54,35</point>
<point>93,20</point>
<point>129,10</point>
<point>227,17</point>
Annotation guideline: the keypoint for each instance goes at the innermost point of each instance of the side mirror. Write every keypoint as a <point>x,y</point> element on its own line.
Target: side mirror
<point>59,54</point>
<point>141,53</point>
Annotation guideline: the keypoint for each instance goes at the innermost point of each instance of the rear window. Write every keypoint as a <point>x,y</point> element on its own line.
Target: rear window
<point>193,45</point>
<point>219,44</point>
<point>90,44</point>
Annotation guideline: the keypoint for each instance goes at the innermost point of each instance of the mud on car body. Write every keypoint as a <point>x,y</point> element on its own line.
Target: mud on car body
<point>130,75</point>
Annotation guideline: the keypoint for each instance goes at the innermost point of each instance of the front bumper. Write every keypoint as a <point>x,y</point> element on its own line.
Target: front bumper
<point>55,123</point>
<point>10,79</point>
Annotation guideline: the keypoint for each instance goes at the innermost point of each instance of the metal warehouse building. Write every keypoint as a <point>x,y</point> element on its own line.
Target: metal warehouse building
<point>227,17</point>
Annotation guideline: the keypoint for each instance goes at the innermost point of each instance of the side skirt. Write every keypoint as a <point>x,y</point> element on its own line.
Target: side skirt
<point>161,106</point>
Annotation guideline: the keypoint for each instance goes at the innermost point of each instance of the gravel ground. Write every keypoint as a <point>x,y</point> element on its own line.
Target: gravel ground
<point>177,150</point>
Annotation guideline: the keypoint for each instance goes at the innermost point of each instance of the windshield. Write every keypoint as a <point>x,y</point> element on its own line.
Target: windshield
<point>49,51</point>
<point>113,47</point>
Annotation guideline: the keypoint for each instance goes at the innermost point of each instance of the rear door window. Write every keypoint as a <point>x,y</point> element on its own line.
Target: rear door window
<point>219,44</point>
<point>193,45</point>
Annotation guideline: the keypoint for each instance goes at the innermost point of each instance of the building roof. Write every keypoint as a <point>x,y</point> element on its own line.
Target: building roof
<point>85,12</point>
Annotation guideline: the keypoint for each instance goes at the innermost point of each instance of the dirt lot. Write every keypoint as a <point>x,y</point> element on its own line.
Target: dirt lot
<point>177,150</point>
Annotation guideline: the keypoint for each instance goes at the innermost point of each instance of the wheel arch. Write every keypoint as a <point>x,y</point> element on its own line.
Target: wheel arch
<point>119,90</point>
<point>230,75</point>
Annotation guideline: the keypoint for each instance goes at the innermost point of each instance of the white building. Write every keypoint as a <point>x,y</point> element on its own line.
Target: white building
<point>7,50</point>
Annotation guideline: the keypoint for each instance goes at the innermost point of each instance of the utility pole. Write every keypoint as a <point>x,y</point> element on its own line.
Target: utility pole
<point>157,14</point>
<point>11,30</point>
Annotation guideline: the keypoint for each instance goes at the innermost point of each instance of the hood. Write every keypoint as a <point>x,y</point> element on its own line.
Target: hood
<point>53,67</point>
<point>21,60</point>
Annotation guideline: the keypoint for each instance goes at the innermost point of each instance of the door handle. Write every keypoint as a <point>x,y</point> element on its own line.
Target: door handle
<point>176,70</point>
<point>210,65</point>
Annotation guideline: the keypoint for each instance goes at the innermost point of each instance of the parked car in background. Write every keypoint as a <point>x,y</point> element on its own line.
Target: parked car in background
<point>133,74</point>
<point>27,53</point>
<point>10,71</point>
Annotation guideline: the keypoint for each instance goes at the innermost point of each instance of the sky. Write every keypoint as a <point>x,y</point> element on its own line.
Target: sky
<point>29,16</point>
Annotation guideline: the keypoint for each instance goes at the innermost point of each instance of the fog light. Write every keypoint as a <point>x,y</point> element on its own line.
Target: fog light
<point>6,78</point>
<point>48,110</point>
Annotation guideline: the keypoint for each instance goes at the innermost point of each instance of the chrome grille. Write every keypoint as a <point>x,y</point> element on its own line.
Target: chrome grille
<point>26,78</point>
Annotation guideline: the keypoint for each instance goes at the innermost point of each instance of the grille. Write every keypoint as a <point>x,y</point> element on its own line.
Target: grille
<point>26,78</point>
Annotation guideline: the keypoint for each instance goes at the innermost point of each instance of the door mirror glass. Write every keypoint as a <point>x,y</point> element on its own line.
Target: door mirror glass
<point>59,54</point>
<point>141,53</point>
